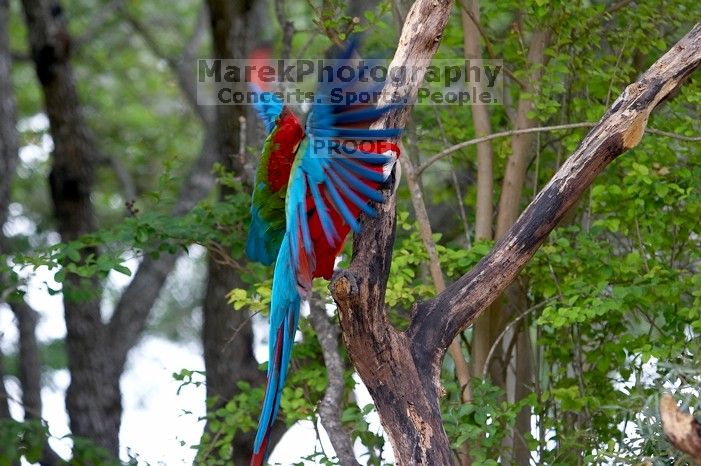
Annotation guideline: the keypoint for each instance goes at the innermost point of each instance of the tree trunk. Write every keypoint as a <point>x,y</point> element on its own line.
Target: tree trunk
<point>93,399</point>
<point>98,352</point>
<point>480,119</point>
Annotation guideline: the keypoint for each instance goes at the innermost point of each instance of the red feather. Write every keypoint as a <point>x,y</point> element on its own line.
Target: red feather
<point>286,140</point>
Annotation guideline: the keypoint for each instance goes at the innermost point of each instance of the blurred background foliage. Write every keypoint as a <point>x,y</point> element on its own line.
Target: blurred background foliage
<point>612,300</point>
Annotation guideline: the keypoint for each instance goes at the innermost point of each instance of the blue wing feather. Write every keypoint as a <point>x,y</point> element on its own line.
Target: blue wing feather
<point>358,185</point>
<point>326,222</point>
<point>342,207</point>
<point>351,195</point>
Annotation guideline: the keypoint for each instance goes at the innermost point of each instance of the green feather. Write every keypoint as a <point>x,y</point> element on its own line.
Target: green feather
<point>270,205</point>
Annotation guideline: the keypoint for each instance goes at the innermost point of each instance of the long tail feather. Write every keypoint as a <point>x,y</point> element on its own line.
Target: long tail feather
<point>284,317</point>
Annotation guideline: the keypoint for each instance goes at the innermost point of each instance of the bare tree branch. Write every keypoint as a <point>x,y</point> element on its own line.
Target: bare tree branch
<point>668,134</point>
<point>287,26</point>
<point>456,184</point>
<point>614,7</point>
<point>330,405</point>
<point>20,56</point>
<point>472,15</point>
<point>462,371</point>
<point>124,178</point>
<point>197,37</point>
<point>503,333</point>
<point>620,129</point>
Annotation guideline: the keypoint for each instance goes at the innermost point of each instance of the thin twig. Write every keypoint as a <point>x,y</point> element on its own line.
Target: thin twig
<point>198,34</point>
<point>222,257</point>
<point>179,65</point>
<point>586,124</point>
<point>240,327</point>
<point>616,6</point>
<point>124,178</point>
<point>20,56</point>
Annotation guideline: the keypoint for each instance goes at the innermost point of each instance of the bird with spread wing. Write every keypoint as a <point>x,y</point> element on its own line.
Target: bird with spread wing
<point>311,185</point>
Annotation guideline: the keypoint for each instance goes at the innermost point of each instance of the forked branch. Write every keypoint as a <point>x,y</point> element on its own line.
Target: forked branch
<point>620,129</point>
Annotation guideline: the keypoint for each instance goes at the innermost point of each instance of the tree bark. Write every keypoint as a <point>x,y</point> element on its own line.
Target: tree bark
<point>434,266</point>
<point>490,324</point>
<point>8,155</point>
<point>97,352</point>
<point>483,332</point>
<point>29,359</point>
<point>402,369</point>
<point>619,130</point>
<point>517,164</point>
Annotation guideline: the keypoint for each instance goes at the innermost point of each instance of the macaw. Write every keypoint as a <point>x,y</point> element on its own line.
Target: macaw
<point>311,185</point>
